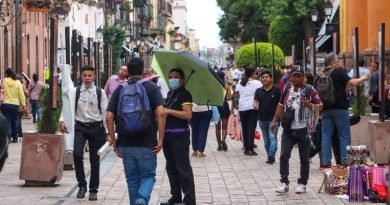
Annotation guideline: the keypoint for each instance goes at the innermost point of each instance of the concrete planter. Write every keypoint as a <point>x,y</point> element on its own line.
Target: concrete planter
<point>379,143</point>
<point>42,159</point>
<point>359,132</point>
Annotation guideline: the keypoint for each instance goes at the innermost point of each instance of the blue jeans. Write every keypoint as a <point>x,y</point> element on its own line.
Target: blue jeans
<point>140,170</point>
<point>270,138</point>
<point>11,112</point>
<point>335,119</point>
<point>200,123</point>
<point>35,109</point>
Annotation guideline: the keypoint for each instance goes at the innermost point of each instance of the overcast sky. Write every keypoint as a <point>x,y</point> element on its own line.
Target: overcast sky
<point>202,15</point>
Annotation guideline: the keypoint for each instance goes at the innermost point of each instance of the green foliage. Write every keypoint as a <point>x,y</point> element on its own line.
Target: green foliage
<point>53,118</point>
<point>239,15</point>
<point>361,110</point>
<point>171,33</point>
<point>284,33</point>
<point>295,9</point>
<point>238,18</point>
<point>246,55</point>
<point>114,36</point>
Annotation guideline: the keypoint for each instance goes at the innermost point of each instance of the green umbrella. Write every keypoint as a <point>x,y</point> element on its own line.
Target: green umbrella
<point>201,81</point>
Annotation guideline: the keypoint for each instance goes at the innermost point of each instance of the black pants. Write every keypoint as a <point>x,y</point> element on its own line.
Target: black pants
<point>176,151</point>
<point>248,123</point>
<point>288,141</point>
<point>96,136</point>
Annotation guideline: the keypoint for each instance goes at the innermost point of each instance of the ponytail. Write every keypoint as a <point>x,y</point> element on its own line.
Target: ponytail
<point>244,80</point>
<point>249,70</point>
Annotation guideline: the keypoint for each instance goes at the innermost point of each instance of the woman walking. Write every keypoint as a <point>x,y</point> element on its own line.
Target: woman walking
<point>177,140</point>
<point>246,89</point>
<point>35,89</point>
<point>200,123</point>
<point>13,98</point>
<point>224,113</point>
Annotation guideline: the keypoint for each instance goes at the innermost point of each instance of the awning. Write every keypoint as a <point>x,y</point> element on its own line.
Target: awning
<point>126,49</point>
<point>155,47</point>
<point>321,40</point>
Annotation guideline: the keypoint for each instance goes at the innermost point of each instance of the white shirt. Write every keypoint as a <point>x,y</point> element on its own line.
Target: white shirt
<point>199,108</point>
<point>87,106</point>
<point>247,93</point>
<point>164,89</point>
<point>362,72</point>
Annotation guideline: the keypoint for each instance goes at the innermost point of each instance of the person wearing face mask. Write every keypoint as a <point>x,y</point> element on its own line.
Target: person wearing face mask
<point>89,115</point>
<point>177,140</point>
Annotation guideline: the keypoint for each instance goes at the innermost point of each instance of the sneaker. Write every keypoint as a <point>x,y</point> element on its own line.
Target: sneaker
<point>300,189</point>
<point>201,155</point>
<point>140,202</point>
<point>81,192</point>
<point>283,188</point>
<point>195,153</point>
<point>270,160</point>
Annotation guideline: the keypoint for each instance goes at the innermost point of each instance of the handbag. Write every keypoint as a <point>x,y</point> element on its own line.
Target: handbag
<point>288,117</point>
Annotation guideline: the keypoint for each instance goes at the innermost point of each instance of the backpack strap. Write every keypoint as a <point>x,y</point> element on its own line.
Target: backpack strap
<point>98,95</point>
<point>99,98</point>
<point>77,97</point>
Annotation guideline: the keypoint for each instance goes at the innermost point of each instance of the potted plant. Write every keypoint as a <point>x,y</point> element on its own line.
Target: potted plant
<point>42,152</point>
<point>152,34</point>
<point>171,32</point>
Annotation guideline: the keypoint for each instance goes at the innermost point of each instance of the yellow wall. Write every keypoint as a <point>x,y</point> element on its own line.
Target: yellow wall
<point>367,15</point>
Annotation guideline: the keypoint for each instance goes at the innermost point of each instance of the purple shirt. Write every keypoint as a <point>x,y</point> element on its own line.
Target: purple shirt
<point>112,83</point>
<point>35,90</point>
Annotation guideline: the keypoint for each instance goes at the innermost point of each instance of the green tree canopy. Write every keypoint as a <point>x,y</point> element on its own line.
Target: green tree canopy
<point>239,15</point>
<point>283,32</point>
<point>246,55</point>
<point>114,36</point>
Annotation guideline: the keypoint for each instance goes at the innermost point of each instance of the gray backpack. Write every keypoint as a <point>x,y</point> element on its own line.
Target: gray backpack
<point>325,88</point>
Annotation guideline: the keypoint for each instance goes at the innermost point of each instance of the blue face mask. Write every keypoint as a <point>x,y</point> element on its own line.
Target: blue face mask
<point>174,83</point>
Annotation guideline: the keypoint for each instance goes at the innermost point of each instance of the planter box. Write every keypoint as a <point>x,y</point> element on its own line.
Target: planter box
<point>42,159</point>
<point>379,143</point>
<point>359,132</point>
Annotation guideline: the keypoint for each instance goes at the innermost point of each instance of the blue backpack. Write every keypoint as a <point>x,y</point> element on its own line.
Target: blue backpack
<point>134,112</point>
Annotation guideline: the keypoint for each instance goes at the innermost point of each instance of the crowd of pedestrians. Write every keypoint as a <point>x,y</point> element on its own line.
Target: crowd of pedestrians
<point>149,116</point>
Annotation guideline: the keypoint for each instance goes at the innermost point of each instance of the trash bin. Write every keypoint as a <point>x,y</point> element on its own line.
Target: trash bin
<point>42,159</point>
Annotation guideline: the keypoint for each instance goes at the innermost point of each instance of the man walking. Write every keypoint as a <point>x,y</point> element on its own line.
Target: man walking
<point>265,101</point>
<point>138,149</point>
<point>336,115</point>
<point>296,105</point>
<point>91,104</point>
<point>114,81</point>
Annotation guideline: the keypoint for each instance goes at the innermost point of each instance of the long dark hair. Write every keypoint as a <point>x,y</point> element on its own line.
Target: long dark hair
<point>180,72</point>
<point>249,70</point>
<point>10,73</point>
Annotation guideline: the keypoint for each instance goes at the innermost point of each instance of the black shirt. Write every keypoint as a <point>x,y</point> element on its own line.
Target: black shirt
<point>176,101</point>
<point>340,79</point>
<point>268,101</point>
<point>155,100</point>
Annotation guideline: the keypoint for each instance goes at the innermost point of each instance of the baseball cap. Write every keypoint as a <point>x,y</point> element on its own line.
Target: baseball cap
<point>297,70</point>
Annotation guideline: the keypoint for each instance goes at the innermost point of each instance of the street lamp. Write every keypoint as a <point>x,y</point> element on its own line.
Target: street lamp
<point>314,15</point>
<point>128,38</point>
<point>99,33</point>
<point>328,8</point>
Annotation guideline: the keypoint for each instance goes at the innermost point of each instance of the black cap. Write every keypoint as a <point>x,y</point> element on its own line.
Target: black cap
<point>297,70</point>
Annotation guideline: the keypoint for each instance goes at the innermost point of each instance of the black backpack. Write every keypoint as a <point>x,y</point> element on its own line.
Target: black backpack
<point>323,83</point>
<point>98,95</point>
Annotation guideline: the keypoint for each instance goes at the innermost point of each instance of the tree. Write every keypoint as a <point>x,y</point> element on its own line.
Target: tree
<point>238,18</point>
<point>246,55</point>
<point>239,15</point>
<point>114,36</point>
<point>283,32</point>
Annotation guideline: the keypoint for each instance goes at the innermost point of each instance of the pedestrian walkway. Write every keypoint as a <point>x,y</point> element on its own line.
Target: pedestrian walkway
<point>220,178</point>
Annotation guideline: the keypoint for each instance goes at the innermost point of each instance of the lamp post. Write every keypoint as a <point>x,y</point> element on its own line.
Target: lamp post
<point>127,40</point>
<point>99,37</point>
<point>314,13</point>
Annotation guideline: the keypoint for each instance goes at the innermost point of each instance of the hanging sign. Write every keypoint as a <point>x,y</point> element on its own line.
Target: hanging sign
<point>37,5</point>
